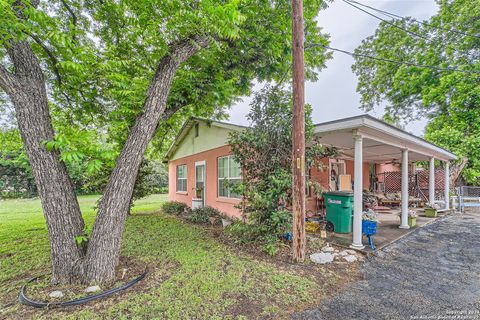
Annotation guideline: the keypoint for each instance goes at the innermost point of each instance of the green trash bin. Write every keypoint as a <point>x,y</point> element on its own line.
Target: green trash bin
<point>339,205</point>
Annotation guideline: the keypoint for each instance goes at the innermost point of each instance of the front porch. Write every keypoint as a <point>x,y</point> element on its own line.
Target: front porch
<point>365,139</point>
<point>388,230</point>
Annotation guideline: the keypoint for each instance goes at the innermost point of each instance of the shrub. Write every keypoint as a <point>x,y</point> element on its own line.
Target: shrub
<point>245,233</point>
<point>253,233</point>
<point>203,215</point>
<point>264,153</point>
<point>174,207</point>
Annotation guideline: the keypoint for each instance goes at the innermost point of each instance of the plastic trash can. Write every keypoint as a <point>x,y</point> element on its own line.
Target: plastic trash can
<point>339,207</point>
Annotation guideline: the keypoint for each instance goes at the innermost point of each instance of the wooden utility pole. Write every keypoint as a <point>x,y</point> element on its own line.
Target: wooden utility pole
<point>298,147</point>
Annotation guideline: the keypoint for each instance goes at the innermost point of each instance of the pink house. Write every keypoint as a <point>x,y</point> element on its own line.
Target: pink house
<point>200,162</point>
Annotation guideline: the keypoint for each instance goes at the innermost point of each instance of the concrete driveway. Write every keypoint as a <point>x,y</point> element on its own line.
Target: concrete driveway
<point>434,273</point>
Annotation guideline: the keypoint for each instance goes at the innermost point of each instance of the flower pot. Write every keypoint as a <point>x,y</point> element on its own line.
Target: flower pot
<point>412,221</point>
<point>430,212</point>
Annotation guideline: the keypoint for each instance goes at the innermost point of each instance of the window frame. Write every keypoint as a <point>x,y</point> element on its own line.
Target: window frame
<point>185,178</point>
<point>228,178</point>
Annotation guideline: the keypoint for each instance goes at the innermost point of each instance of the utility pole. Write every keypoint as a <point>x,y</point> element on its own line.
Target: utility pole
<point>298,134</point>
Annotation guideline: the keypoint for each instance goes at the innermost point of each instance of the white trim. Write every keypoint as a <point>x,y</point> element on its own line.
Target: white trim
<point>385,130</point>
<point>177,178</point>
<point>447,186</point>
<point>431,181</point>
<point>199,164</point>
<point>225,178</point>
<point>357,194</point>
<point>404,191</point>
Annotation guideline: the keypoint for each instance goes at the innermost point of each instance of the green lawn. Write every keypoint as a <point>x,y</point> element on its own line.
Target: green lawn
<point>195,276</point>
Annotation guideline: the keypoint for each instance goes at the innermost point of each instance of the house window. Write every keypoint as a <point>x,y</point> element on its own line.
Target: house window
<point>196,130</point>
<point>182,178</point>
<point>229,174</point>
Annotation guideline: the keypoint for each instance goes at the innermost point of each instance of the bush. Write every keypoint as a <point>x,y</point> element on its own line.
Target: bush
<point>203,215</point>
<point>245,233</point>
<point>264,153</point>
<point>253,233</point>
<point>174,207</point>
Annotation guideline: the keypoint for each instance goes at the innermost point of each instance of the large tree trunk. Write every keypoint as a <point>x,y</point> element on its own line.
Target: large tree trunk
<point>26,88</point>
<point>104,247</point>
<point>456,171</point>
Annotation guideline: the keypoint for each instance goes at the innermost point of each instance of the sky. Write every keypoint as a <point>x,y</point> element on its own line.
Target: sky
<point>333,95</point>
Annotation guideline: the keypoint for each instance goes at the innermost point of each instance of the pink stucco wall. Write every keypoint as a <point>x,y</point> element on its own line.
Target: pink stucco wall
<point>225,205</point>
<point>322,176</point>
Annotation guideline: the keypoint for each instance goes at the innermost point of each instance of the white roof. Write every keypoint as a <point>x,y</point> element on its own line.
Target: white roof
<point>381,141</point>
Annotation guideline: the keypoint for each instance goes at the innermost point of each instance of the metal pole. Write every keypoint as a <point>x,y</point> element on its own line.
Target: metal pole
<point>298,134</point>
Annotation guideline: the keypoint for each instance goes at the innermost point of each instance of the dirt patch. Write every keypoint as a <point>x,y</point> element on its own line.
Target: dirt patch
<point>245,307</point>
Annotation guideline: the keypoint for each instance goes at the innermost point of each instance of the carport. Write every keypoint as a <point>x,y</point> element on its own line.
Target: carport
<point>365,139</point>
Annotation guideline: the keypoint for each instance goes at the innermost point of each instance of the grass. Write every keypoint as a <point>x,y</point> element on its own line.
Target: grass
<point>194,275</point>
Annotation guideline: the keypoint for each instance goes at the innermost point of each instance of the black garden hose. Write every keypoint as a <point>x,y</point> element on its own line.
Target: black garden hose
<point>40,304</point>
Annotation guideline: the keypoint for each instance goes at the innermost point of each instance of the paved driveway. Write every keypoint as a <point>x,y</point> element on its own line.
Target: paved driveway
<point>434,273</point>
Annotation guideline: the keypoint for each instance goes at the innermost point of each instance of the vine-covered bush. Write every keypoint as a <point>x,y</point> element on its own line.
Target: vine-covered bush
<point>174,207</point>
<point>264,152</point>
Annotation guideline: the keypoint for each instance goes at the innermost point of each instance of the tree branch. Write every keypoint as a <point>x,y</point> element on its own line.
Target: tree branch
<point>184,49</point>
<point>7,79</point>
<point>51,57</point>
<point>72,15</point>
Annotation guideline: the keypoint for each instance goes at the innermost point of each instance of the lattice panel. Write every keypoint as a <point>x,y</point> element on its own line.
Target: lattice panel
<point>417,183</point>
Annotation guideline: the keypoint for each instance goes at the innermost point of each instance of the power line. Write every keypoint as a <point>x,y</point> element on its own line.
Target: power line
<point>398,27</point>
<point>386,21</point>
<point>398,17</point>
<point>391,60</point>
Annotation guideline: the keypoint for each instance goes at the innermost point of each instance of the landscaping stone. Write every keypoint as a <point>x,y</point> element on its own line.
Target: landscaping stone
<point>350,258</point>
<point>92,289</point>
<point>343,253</point>
<point>328,248</point>
<point>56,294</point>
<point>226,222</point>
<point>124,272</point>
<point>322,257</point>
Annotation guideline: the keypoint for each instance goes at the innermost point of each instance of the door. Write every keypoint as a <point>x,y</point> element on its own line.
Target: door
<point>200,181</point>
<point>337,168</point>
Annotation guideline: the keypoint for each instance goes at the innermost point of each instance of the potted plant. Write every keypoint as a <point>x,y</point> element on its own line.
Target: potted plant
<point>369,226</point>
<point>412,218</point>
<point>369,222</point>
<point>431,210</point>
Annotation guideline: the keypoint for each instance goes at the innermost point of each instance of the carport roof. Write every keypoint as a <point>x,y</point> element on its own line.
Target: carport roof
<point>381,141</point>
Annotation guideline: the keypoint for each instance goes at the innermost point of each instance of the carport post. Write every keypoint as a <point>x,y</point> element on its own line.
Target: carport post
<point>358,193</point>
<point>447,185</point>
<point>404,217</point>
<point>431,181</point>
